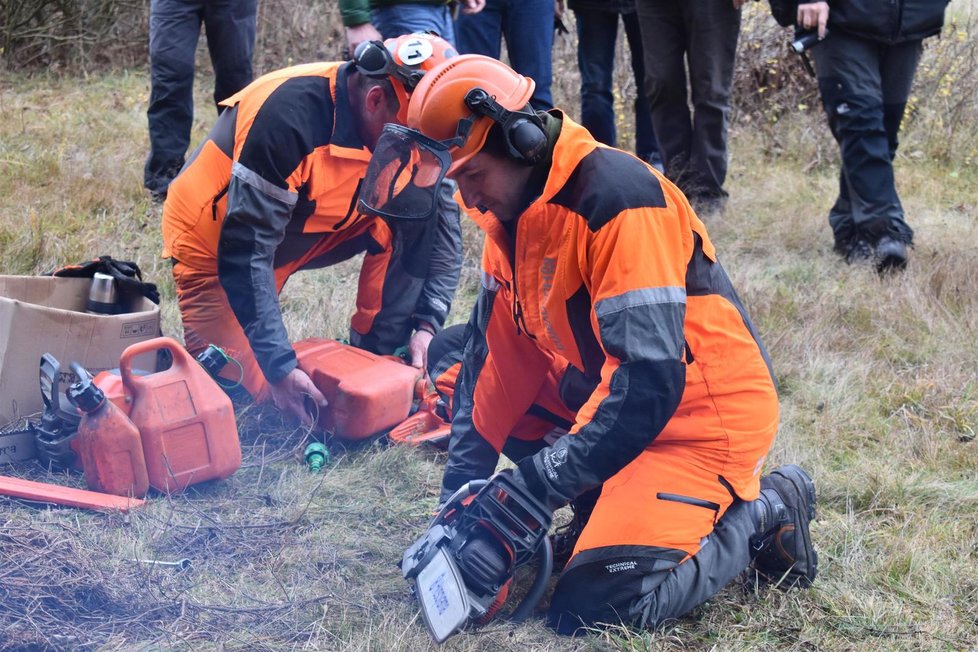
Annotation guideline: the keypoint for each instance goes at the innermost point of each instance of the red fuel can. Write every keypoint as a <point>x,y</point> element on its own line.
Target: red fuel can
<point>108,442</point>
<point>367,393</point>
<point>186,421</point>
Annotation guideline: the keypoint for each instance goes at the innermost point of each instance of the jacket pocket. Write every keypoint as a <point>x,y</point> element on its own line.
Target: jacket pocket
<point>689,500</point>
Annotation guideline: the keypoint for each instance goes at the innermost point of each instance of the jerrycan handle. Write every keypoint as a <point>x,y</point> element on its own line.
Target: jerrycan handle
<point>180,357</point>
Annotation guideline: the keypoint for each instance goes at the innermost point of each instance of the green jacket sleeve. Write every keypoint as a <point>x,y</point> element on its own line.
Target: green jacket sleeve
<point>354,12</point>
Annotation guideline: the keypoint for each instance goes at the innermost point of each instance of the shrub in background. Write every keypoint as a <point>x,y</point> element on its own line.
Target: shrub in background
<point>73,35</point>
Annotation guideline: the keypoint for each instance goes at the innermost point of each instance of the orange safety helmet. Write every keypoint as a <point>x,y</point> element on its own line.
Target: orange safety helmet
<point>404,59</point>
<point>441,106</point>
<point>449,117</point>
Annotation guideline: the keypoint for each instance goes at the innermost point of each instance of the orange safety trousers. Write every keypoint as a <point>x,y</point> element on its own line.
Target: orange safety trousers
<point>672,494</point>
<point>208,318</point>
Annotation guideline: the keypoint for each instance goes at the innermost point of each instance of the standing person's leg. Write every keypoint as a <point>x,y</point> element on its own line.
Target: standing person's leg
<point>174,27</point>
<point>646,147</point>
<point>481,33</point>
<point>529,29</point>
<point>898,67</point>
<point>663,28</point>
<point>406,18</point>
<point>851,85</point>
<point>230,26</point>
<point>597,32</point>
<point>713,27</point>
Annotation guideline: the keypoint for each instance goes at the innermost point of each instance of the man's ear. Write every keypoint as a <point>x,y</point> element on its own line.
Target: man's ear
<point>375,100</point>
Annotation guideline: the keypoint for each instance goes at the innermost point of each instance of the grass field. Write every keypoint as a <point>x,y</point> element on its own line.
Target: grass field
<point>878,382</point>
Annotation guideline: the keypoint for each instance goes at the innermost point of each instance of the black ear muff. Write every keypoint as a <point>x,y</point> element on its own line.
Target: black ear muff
<point>526,139</point>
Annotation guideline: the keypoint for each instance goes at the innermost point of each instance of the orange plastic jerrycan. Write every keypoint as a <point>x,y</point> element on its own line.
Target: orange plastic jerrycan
<point>367,393</point>
<point>109,445</point>
<point>186,420</point>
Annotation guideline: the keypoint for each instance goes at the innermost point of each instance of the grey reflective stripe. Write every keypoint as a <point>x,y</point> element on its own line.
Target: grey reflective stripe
<point>634,327</point>
<point>640,297</point>
<point>489,282</point>
<point>261,184</point>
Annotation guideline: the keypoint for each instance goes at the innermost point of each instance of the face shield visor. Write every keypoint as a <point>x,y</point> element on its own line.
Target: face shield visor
<point>404,174</point>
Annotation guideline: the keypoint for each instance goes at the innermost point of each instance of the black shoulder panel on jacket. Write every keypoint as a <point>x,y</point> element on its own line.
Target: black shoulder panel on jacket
<point>607,182</point>
<point>294,120</point>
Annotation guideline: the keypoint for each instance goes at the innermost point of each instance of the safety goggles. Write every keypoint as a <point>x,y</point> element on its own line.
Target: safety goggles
<point>374,60</point>
<point>404,175</point>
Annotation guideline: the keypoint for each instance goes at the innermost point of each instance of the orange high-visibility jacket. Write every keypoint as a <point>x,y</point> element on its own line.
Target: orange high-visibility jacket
<point>613,283</point>
<point>279,174</point>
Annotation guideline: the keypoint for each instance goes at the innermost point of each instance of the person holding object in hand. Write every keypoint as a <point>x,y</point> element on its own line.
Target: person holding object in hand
<point>273,190</point>
<point>865,65</point>
<point>608,355</point>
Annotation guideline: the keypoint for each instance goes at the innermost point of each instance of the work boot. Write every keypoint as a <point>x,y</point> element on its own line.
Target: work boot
<point>891,254</point>
<point>859,251</point>
<point>783,544</point>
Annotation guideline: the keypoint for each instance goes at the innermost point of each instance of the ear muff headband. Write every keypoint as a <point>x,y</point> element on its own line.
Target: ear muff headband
<point>526,139</point>
<point>373,60</point>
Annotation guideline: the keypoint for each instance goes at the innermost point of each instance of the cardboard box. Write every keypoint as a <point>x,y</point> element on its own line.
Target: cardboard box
<point>44,314</point>
<point>16,446</point>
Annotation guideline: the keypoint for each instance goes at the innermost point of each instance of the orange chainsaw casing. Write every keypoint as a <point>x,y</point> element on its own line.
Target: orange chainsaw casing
<point>367,393</point>
<point>424,426</point>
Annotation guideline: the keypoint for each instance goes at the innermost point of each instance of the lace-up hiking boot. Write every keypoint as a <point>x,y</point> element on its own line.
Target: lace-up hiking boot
<point>785,555</point>
<point>891,255</point>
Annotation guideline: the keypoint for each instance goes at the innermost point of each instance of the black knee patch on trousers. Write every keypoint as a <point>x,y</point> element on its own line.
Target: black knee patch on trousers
<point>605,586</point>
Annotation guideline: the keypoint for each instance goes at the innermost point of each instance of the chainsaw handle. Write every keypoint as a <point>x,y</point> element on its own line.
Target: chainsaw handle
<point>470,488</point>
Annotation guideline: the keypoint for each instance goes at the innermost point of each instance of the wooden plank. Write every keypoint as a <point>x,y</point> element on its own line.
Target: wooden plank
<point>52,493</point>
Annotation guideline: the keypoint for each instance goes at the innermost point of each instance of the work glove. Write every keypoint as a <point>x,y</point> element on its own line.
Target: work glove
<point>532,473</point>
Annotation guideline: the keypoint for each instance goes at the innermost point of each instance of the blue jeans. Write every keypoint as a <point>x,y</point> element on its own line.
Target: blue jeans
<point>174,27</point>
<point>407,18</point>
<point>597,33</point>
<point>528,26</point>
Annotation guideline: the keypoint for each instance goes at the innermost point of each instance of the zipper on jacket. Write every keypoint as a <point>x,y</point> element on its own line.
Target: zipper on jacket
<point>216,201</point>
<point>518,317</point>
<point>353,205</point>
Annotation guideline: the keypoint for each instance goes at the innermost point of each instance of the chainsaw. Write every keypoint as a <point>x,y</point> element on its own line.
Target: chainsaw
<point>461,567</point>
<point>59,424</point>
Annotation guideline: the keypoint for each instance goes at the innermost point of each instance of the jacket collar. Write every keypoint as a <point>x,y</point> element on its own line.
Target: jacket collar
<point>345,135</point>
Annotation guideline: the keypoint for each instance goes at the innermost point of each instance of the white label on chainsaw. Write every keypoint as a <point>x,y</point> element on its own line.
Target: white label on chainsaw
<point>415,51</point>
